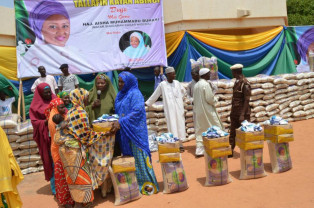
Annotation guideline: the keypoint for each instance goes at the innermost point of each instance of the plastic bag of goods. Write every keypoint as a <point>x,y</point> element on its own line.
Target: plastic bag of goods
<point>124,180</point>
<point>195,64</point>
<point>279,157</point>
<point>153,144</point>
<point>171,164</point>
<point>252,165</point>
<point>104,122</point>
<point>9,121</point>
<point>216,171</point>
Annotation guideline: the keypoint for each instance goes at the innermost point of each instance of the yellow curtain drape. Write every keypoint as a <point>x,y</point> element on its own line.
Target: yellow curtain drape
<point>8,66</point>
<point>172,41</point>
<point>237,42</point>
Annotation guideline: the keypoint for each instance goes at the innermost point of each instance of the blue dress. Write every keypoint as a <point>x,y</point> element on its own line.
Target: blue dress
<point>130,106</point>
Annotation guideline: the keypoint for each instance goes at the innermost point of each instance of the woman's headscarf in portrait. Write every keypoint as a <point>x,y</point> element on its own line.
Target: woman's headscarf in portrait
<point>42,11</point>
<point>53,105</point>
<point>140,50</point>
<point>107,99</point>
<point>41,133</point>
<point>130,107</point>
<point>62,95</point>
<point>305,40</point>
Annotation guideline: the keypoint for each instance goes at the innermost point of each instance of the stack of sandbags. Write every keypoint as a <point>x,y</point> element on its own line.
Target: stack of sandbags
<point>189,119</point>
<point>278,138</point>
<point>155,118</point>
<point>171,164</point>
<point>224,98</point>
<point>216,159</point>
<point>20,136</point>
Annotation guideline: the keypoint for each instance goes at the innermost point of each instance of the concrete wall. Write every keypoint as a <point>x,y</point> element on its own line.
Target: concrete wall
<point>222,14</point>
<point>7,29</point>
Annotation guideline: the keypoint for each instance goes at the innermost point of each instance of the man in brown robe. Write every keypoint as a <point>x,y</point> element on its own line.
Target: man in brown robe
<point>240,109</point>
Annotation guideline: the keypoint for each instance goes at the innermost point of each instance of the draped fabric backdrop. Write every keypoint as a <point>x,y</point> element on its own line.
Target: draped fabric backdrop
<point>272,52</point>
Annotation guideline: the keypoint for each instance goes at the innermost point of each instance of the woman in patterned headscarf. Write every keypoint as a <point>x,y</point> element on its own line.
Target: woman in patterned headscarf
<point>83,143</point>
<point>134,137</point>
<point>65,96</point>
<point>63,195</point>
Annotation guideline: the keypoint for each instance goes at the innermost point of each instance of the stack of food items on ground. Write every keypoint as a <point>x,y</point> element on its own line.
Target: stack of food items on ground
<point>155,118</point>
<point>189,119</point>
<point>250,140</point>
<point>217,149</point>
<point>171,163</point>
<point>278,133</point>
<point>124,180</point>
<point>20,136</point>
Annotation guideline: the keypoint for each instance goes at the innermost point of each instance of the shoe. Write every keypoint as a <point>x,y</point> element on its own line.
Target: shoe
<point>182,149</point>
<point>199,151</point>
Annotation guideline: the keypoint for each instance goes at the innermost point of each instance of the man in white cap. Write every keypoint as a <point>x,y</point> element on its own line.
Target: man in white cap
<point>172,92</point>
<point>204,109</point>
<point>240,108</point>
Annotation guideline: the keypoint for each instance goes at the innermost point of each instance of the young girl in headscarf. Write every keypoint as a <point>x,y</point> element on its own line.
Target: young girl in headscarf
<point>63,195</point>
<point>41,100</point>
<point>137,46</point>
<point>134,137</point>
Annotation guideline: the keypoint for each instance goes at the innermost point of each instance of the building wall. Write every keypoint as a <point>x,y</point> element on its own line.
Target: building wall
<point>222,14</point>
<point>7,29</point>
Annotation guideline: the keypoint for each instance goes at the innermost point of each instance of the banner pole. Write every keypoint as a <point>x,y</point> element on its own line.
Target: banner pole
<point>23,102</point>
<point>161,69</point>
<point>19,101</point>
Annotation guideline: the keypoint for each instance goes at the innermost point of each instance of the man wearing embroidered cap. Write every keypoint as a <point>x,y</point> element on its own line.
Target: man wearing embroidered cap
<point>240,109</point>
<point>172,92</point>
<point>204,109</point>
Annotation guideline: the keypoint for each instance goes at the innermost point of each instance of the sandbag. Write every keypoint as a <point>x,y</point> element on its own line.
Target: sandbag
<point>299,114</point>
<point>29,158</point>
<point>14,145</point>
<point>282,86</point>
<point>30,170</point>
<point>216,171</point>
<point>151,120</point>
<point>270,90</point>
<point>279,80</point>
<point>160,121</point>
<point>160,115</point>
<point>10,131</point>
<point>273,112</point>
<point>190,130</point>
<point>24,165</point>
<point>152,127</point>
<point>25,127</point>
<point>279,157</point>
<point>189,107</point>
<point>9,121</point>
<point>157,106</point>
<point>272,107</point>
<point>191,137</point>
<point>297,108</point>
<point>189,120</point>
<point>151,115</point>
<point>257,91</point>
<point>252,165</point>
<point>258,103</point>
<point>27,145</point>
<point>174,177</point>
<point>280,91</point>
<point>256,97</point>
<point>189,114</point>
<point>124,180</point>
<point>258,109</point>
<point>267,86</point>
<point>13,138</point>
<point>24,138</point>
<point>27,152</point>
<point>305,96</point>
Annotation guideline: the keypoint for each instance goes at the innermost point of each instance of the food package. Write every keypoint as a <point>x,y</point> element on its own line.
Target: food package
<point>249,145</point>
<point>24,128</point>
<point>212,143</point>
<point>250,136</point>
<point>252,165</point>
<point>278,129</point>
<point>124,180</point>
<point>283,138</point>
<point>279,157</point>
<point>174,177</point>
<point>219,152</point>
<point>216,171</point>
<point>9,121</point>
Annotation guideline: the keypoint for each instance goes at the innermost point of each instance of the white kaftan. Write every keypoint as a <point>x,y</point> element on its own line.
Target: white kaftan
<point>172,94</point>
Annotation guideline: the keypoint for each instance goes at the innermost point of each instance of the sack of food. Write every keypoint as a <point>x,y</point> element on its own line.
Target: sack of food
<point>9,121</point>
<point>124,180</point>
<point>252,165</point>
<point>174,177</point>
<point>216,171</point>
<point>279,157</point>
<point>25,127</point>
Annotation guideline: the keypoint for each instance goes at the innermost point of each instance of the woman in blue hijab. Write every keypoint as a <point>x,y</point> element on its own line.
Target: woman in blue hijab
<point>137,46</point>
<point>130,106</point>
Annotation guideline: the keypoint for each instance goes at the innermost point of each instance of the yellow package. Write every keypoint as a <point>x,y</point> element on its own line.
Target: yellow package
<point>123,164</point>
<point>219,152</point>
<point>249,145</point>
<point>278,129</point>
<point>169,157</point>
<point>250,136</point>
<point>283,138</point>
<point>168,148</point>
<point>102,127</point>
<point>212,143</point>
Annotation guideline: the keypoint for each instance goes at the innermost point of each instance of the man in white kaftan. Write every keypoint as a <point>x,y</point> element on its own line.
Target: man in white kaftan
<point>172,92</point>
<point>204,109</point>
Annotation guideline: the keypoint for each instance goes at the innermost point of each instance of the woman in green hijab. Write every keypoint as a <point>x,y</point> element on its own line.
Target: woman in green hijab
<point>66,99</point>
<point>103,102</point>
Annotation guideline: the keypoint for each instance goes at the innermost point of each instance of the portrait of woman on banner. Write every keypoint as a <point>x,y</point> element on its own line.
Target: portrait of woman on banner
<point>51,25</point>
<point>137,46</point>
